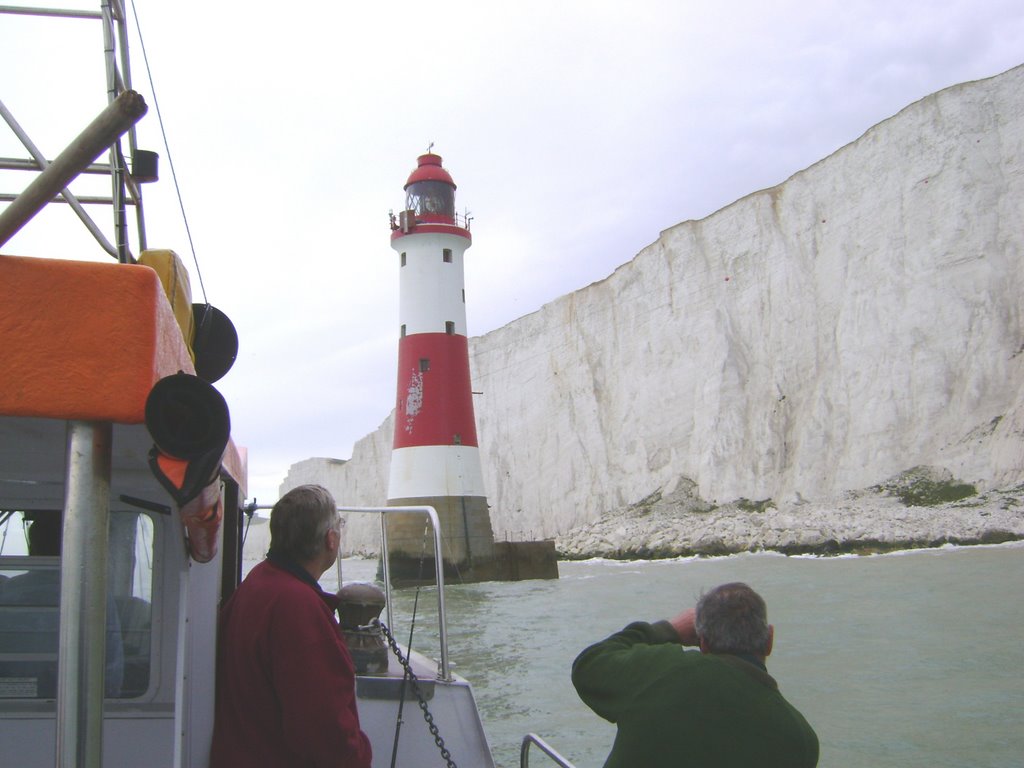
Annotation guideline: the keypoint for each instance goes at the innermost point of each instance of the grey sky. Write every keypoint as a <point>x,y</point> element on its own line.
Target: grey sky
<point>576,132</point>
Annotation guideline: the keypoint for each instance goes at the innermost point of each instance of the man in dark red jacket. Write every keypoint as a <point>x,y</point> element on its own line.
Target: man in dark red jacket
<point>285,680</point>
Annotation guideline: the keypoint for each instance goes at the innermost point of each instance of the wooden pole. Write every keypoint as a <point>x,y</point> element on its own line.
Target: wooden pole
<point>120,115</point>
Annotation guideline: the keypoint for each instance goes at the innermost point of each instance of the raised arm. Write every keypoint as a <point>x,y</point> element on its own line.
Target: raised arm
<point>684,625</point>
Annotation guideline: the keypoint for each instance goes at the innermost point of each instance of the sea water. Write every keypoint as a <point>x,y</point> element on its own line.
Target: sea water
<point>911,659</point>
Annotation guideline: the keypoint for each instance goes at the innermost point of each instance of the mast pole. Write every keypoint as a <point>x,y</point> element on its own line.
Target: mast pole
<point>122,113</point>
<point>81,657</point>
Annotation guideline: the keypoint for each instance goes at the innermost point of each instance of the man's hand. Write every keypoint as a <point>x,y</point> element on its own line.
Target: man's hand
<point>684,627</point>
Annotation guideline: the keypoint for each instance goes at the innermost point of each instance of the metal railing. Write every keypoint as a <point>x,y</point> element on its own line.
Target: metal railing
<point>532,738</point>
<point>444,672</point>
<point>435,526</point>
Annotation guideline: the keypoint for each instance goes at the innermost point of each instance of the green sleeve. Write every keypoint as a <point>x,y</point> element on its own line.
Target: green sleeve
<point>609,675</point>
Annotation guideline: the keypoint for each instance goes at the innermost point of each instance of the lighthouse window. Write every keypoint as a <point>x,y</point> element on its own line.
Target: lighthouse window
<point>403,258</point>
<point>447,255</point>
<point>424,364</point>
<point>449,327</point>
<point>403,330</point>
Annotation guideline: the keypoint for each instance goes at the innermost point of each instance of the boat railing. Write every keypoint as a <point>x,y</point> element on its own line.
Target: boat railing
<point>529,740</point>
<point>444,667</point>
<point>444,672</point>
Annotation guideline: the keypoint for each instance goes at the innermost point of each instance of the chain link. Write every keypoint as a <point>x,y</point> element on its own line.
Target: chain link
<point>414,683</point>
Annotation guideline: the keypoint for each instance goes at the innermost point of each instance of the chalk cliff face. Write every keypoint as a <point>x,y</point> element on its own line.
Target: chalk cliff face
<point>858,320</point>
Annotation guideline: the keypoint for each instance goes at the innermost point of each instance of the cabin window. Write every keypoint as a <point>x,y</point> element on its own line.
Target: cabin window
<point>424,364</point>
<point>446,254</point>
<point>30,604</point>
<point>449,327</point>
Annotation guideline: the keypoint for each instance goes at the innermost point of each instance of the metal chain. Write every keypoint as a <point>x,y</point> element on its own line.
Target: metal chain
<point>414,682</point>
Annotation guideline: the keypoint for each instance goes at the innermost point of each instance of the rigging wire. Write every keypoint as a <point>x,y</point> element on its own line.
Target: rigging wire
<point>412,628</point>
<point>167,148</point>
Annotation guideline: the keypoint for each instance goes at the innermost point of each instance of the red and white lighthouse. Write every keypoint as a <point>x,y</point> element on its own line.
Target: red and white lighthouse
<point>435,458</point>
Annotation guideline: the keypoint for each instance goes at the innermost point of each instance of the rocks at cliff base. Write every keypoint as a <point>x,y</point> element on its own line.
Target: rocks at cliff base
<point>911,510</point>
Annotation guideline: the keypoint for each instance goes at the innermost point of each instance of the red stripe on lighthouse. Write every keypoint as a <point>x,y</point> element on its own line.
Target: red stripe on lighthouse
<point>435,401</point>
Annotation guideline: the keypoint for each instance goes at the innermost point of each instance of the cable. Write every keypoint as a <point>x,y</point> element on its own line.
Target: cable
<point>167,148</point>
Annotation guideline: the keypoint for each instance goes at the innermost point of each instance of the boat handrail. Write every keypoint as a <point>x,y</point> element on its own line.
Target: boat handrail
<point>532,738</point>
<point>444,672</point>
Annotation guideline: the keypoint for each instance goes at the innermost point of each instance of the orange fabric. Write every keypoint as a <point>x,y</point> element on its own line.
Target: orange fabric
<point>173,469</point>
<point>202,517</point>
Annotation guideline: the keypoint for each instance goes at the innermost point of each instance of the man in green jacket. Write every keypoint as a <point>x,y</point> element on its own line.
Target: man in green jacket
<point>718,708</point>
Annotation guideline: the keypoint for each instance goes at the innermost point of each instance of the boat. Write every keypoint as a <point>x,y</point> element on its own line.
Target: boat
<point>111,428</point>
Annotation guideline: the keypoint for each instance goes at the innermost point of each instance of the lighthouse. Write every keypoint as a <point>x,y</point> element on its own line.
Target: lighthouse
<point>435,459</point>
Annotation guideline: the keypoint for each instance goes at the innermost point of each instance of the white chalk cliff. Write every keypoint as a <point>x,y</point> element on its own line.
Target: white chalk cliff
<point>806,342</point>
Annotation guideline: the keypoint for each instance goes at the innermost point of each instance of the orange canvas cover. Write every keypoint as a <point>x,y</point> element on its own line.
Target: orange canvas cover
<point>87,341</point>
<point>82,340</point>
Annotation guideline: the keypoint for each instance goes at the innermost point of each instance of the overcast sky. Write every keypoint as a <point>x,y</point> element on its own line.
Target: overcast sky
<point>575,131</point>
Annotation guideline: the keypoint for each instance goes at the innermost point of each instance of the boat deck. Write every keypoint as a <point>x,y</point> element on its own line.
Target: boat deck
<point>385,700</point>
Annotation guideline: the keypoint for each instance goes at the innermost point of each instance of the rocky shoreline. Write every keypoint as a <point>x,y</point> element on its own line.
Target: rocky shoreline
<point>880,519</point>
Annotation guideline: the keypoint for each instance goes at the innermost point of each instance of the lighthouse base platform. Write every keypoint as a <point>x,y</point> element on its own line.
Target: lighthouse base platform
<point>511,561</point>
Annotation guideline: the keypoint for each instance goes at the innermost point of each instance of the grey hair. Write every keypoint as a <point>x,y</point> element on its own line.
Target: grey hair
<point>300,520</point>
<point>732,618</point>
